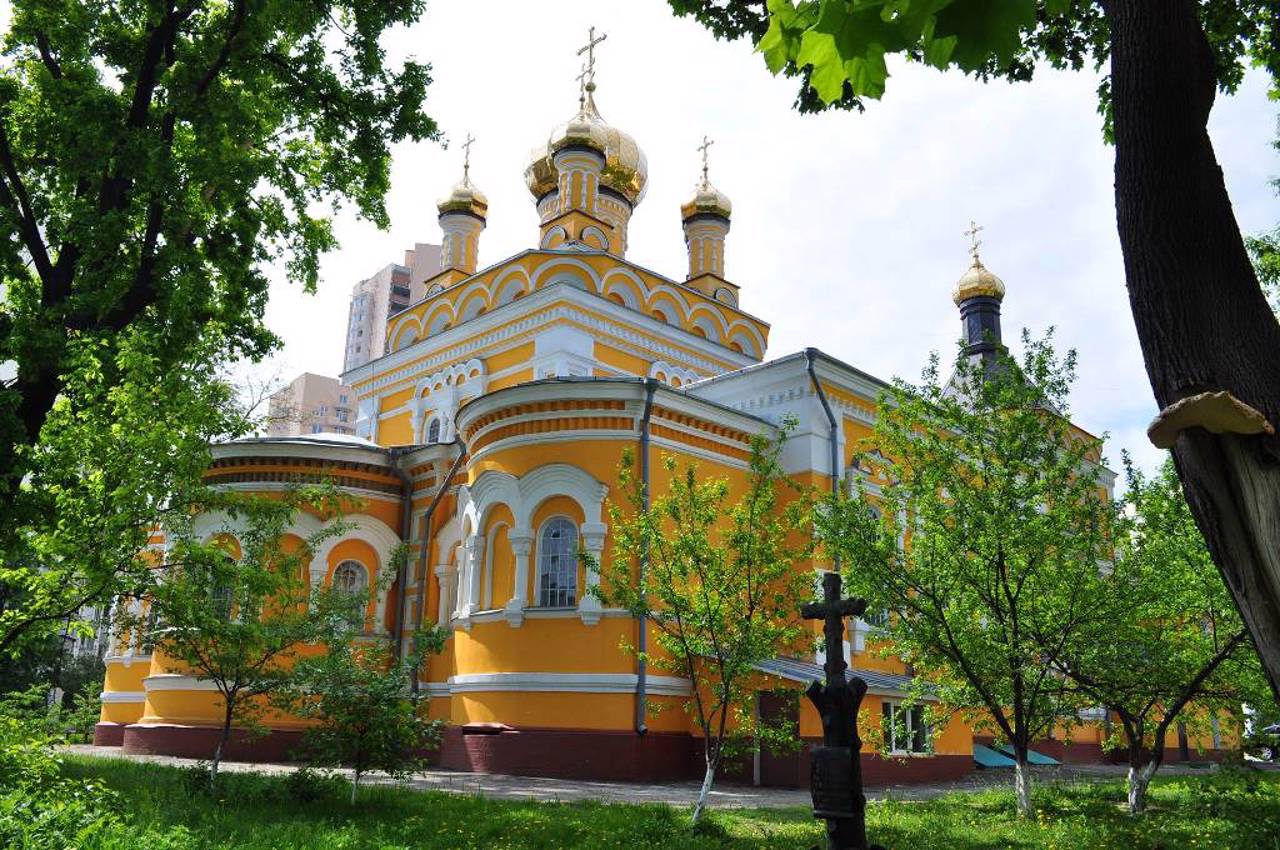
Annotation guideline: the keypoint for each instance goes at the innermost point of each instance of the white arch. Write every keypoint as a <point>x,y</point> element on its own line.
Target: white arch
<point>509,287</point>
<point>377,534</point>
<point>409,326</point>
<point>708,327</point>
<point>561,262</point>
<point>742,332</point>
<point>591,232</point>
<point>549,238</point>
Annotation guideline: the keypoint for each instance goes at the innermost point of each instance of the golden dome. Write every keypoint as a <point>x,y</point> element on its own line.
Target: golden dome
<point>706,200</point>
<point>977,281</point>
<point>626,170</point>
<point>464,197</point>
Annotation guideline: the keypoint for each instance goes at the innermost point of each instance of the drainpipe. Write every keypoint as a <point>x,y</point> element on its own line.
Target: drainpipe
<point>398,454</point>
<point>809,355</point>
<point>424,544</point>
<point>642,639</point>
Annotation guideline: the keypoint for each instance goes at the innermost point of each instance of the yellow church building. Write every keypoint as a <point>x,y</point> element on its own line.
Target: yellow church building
<point>489,440</point>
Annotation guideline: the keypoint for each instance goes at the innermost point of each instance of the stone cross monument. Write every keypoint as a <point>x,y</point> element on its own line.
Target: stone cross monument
<point>836,766</point>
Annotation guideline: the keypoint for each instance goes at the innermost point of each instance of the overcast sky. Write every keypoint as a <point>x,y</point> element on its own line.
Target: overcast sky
<point>847,228</point>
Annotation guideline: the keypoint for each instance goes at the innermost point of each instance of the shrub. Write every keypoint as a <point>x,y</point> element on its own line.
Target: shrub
<point>307,785</point>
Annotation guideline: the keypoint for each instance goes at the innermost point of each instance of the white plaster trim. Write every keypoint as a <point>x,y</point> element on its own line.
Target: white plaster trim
<point>176,682</point>
<point>495,615</point>
<point>123,696</point>
<point>126,659</point>
<point>580,683</point>
<point>467,339</point>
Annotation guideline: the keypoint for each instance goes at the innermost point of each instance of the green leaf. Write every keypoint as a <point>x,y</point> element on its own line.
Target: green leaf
<point>984,29</point>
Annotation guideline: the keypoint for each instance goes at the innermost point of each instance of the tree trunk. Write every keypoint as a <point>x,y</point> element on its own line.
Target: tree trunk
<point>1202,320</point>
<point>355,784</point>
<point>1022,784</point>
<point>705,791</point>
<point>1139,780</point>
<point>222,742</point>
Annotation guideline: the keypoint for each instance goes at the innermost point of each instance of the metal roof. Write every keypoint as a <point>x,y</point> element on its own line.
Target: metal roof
<point>893,684</point>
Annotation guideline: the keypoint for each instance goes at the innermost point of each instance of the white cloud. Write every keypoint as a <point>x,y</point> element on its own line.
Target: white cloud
<point>847,228</point>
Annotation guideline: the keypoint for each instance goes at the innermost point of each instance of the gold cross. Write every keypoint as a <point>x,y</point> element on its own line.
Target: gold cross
<point>706,143</point>
<point>466,156</point>
<point>590,49</point>
<point>972,233</point>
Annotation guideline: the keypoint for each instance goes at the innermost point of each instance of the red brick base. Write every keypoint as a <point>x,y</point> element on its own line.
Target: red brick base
<point>199,742</point>
<point>569,753</point>
<point>108,735</point>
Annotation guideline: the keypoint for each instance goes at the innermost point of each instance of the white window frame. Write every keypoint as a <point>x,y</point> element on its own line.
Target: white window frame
<point>889,710</point>
<point>562,596</point>
<point>363,592</point>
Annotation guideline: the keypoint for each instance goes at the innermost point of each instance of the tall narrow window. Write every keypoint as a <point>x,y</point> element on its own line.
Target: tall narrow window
<point>352,579</point>
<point>222,593</point>
<point>558,564</point>
<point>433,431</point>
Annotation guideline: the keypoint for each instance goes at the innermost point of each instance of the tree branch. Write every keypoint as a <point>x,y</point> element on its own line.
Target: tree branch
<point>46,55</point>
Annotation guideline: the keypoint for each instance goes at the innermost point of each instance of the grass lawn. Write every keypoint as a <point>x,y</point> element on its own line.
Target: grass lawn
<point>1240,812</point>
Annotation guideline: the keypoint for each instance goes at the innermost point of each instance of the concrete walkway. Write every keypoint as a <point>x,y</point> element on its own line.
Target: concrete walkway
<point>501,787</point>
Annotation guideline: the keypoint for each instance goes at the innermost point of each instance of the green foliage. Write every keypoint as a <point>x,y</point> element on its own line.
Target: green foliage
<point>358,696</point>
<point>155,160</point>
<point>839,47</point>
<point>978,522</point>
<point>1167,643</point>
<point>719,584</point>
<point>1264,251</point>
<point>1206,812</point>
<point>237,619</point>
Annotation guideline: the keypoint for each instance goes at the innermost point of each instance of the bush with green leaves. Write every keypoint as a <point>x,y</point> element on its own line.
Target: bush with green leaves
<point>365,716</point>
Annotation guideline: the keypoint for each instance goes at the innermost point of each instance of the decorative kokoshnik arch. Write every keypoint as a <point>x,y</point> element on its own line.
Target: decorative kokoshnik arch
<point>523,496</point>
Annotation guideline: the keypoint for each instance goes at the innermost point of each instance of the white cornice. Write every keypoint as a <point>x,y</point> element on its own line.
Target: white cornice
<point>579,683</point>
<point>464,340</point>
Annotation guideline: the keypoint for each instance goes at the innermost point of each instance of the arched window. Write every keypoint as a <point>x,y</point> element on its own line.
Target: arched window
<point>433,431</point>
<point>558,564</point>
<point>352,578</point>
<point>222,593</point>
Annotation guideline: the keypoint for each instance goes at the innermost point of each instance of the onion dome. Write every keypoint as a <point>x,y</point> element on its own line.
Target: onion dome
<point>626,171</point>
<point>464,197</point>
<point>706,200</point>
<point>977,282</point>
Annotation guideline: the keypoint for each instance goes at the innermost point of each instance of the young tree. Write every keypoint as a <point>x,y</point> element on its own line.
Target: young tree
<point>720,585</point>
<point>1202,319</point>
<point>155,158</point>
<point>238,619</point>
<point>1170,635</point>
<point>365,715</point>
<point>1002,503</point>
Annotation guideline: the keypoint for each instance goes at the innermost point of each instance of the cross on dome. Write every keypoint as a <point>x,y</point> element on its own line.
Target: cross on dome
<point>972,233</point>
<point>589,69</point>
<point>466,157</point>
<point>706,143</point>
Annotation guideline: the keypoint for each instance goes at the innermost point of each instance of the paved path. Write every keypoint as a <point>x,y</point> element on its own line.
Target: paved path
<point>674,793</point>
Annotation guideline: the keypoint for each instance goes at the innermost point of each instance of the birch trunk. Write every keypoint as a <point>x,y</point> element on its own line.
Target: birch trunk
<point>705,791</point>
<point>1022,786</point>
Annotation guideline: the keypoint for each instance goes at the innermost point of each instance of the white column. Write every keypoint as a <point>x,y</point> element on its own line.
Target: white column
<point>460,582</point>
<point>589,608</point>
<point>521,541</point>
<point>445,574</point>
<point>475,570</point>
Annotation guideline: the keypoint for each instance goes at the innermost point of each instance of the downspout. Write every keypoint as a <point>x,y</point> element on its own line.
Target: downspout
<point>642,638</point>
<point>810,354</point>
<point>406,531</point>
<point>425,543</point>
